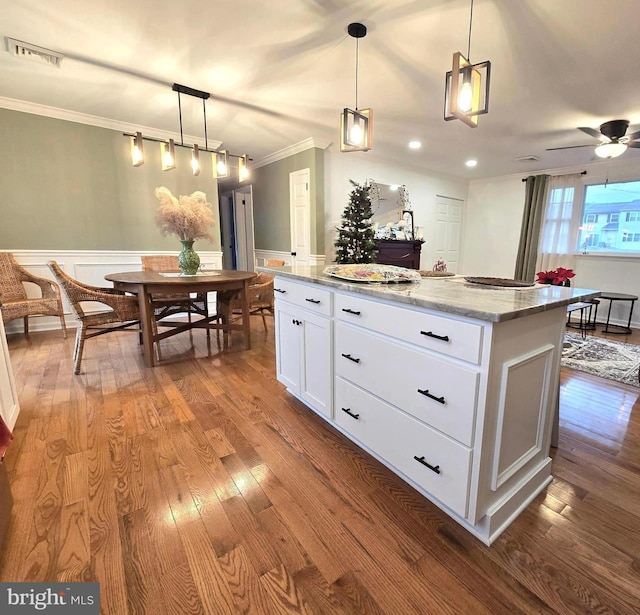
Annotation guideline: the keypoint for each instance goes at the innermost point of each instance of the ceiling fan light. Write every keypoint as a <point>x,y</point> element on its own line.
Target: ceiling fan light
<point>610,150</point>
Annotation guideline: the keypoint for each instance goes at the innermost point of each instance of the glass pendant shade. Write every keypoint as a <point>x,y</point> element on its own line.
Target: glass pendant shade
<point>195,160</point>
<point>137,150</point>
<point>610,150</point>
<point>220,161</point>
<point>356,130</point>
<point>243,169</point>
<point>168,154</point>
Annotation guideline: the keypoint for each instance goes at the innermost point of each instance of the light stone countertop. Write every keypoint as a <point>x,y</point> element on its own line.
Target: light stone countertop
<point>453,294</point>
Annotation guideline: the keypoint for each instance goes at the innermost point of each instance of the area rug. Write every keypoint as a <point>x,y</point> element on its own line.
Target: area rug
<point>602,357</point>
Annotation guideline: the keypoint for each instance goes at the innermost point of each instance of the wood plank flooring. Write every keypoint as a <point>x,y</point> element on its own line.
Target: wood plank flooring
<point>202,486</point>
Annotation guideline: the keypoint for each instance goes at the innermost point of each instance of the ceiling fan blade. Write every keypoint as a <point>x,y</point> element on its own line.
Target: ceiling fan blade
<point>590,131</point>
<point>635,144</point>
<point>551,149</point>
<point>634,135</point>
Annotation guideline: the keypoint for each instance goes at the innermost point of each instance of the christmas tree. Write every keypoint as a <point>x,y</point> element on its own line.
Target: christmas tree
<point>355,242</point>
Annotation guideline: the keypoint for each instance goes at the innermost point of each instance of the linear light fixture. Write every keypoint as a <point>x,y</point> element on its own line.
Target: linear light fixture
<point>467,87</point>
<point>356,125</point>
<point>219,159</point>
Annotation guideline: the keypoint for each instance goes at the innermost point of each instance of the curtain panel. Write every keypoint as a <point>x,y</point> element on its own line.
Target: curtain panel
<point>532,217</point>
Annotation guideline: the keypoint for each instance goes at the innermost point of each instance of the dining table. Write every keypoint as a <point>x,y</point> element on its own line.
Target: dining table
<point>227,284</point>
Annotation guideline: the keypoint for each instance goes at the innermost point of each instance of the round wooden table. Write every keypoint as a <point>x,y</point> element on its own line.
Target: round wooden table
<point>226,283</point>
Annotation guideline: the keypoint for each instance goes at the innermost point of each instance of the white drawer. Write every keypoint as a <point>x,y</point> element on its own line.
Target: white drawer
<point>434,390</point>
<point>309,296</point>
<point>399,439</point>
<point>455,338</point>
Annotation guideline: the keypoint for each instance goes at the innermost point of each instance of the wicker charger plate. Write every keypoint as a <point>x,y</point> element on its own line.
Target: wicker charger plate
<point>435,274</point>
<point>505,282</point>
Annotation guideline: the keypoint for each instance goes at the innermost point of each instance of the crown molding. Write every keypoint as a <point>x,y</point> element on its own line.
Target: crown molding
<point>290,150</point>
<point>100,122</point>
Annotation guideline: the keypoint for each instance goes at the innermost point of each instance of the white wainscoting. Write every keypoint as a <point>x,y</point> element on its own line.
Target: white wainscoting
<point>261,257</point>
<point>87,266</point>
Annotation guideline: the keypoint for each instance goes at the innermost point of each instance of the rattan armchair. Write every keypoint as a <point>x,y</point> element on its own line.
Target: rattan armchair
<point>124,310</point>
<point>260,297</point>
<point>175,303</point>
<point>13,294</point>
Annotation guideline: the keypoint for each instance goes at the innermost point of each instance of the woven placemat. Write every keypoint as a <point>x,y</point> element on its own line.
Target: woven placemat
<point>505,282</point>
<point>435,274</point>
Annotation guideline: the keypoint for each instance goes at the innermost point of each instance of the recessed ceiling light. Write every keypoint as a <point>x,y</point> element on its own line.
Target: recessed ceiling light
<point>415,145</point>
<point>471,163</point>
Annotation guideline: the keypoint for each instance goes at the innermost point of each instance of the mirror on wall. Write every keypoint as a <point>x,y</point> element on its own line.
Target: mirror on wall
<point>391,217</point>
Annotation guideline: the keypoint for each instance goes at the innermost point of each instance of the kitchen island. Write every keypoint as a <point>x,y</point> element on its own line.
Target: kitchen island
<point>452,385</point>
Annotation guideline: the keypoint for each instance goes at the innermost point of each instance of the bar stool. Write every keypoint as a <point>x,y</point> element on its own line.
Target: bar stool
<point>618,297</point>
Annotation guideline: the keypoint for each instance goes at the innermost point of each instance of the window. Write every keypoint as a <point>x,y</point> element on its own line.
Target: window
<point>611,218</point>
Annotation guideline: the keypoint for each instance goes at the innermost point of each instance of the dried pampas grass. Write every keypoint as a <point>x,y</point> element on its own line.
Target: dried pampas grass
<point>188,217</point>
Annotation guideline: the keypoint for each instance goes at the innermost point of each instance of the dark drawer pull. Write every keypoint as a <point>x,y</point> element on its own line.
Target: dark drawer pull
<point>435,469</point>
<point>348,411</point>
<point>440,400</point>
<point>444,338</point>
<point>348,311</point>
<point>312,300</point>
<point>296,322</point>
<point>348,356</point>
<point>279,290</point>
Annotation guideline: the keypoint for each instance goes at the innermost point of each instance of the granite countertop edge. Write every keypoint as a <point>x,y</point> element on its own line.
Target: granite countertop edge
<point>464,299</point>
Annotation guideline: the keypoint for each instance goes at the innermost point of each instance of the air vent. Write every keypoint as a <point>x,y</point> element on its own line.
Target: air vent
<point>28,51</point>
<point>527,158</point>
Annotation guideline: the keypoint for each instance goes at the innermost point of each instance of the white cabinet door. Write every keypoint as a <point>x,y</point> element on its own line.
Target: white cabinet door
<point>303,355</point>
<point>316,372</point>
<point>9,407</point>
<point>288,346</point>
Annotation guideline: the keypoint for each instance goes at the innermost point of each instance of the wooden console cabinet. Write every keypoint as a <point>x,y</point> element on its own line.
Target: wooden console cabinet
<point>403,253</point>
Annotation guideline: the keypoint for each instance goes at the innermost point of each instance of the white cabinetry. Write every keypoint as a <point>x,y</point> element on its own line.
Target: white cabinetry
<point>9,407</point>
<point>303,351</point>
<point>461,408</point>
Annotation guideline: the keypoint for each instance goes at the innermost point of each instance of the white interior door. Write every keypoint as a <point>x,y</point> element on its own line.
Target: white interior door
<point>300,205</point>
<point>243,215</point>
<point>448,226</point>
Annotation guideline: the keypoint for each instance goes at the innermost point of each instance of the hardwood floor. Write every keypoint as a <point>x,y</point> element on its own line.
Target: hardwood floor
<point>202,486</point>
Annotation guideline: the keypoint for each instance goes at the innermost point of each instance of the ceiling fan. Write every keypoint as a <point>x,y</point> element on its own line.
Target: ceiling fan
<point>612,137</point>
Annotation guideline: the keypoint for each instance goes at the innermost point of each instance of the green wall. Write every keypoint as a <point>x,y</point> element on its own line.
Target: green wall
<point>69,186</point>
<point>271,201</point>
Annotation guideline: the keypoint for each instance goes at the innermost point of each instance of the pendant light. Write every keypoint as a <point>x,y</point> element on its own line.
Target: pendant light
<point>168,155</point>
<point>137,150</point>
<point>467,87</point>
<point>220,163</point>
<point>243,169</point>
<point>356,126</point>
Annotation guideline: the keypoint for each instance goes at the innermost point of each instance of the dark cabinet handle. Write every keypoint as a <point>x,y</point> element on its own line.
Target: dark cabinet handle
<point>279,290</point>
<point>348,411</point>
<point>348,356</point>
<point>296,322</point>
<point>348,311</point>
<point>312,300</point>
<point>444,338</point>
<point>435,469</point>
<point>426,393</point>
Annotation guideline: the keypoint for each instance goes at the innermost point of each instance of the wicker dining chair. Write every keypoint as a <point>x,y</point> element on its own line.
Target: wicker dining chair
<point>124,310</point>
<point>13,294</point>
<point>260,297</point>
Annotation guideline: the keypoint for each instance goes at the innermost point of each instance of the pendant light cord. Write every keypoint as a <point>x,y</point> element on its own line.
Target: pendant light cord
<point>469,43</point>
<point>357,43</point>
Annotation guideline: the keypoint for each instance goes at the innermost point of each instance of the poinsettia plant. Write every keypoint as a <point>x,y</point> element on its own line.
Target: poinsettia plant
<point>557,277</point>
